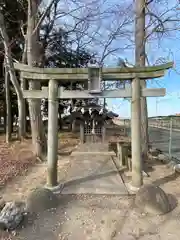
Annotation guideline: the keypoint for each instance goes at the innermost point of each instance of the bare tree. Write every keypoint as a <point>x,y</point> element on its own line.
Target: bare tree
<point>97,26</point>
<point>158,21</point>
<point>33,52</point>
<point>8,104</point>
<point>33,59</point>
<point>91,25</point>
<point>10,68</point>
<point>140,60</point>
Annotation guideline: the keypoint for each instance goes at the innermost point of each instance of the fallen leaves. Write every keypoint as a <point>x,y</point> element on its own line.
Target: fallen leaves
<point>11,164</point>
<point>16,158</point>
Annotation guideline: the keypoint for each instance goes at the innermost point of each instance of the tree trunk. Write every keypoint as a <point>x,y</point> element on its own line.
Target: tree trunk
<point>8,107</point>
<point>144,126</point>
<point>21,116</point>
<point>140,61</point>
<point>60,122</point>
<point>23,87</point>
<point>38,134</point>
<point>73,126</point>
<point>10,69</point>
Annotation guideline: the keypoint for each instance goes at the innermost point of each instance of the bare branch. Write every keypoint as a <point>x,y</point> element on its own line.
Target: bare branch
<point>161,21</point>
<point>8,59</point>
<point>149,2</point>
<point>45,13</point>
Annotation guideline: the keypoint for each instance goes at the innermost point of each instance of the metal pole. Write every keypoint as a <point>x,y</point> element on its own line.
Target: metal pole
<point>170,138</point>
<point>52,134</point>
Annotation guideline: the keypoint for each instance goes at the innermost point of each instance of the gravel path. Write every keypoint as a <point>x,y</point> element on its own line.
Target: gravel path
<point>103,217</point>
<point>93,174</point>
<point>99,217</point>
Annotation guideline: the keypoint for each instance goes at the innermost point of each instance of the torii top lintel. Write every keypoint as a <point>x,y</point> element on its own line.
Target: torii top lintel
<point>81,74</point>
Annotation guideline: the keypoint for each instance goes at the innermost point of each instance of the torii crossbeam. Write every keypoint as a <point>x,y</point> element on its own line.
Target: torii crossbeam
<point>94,75</point>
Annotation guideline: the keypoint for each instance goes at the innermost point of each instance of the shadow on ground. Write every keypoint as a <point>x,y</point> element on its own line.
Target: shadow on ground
<point>166,179</point>
<point>89,178</point>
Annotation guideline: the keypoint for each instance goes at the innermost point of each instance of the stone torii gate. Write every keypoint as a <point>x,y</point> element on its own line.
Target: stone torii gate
<point>93,75</point>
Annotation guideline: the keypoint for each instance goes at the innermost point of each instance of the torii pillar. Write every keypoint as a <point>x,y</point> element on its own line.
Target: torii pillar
<point>137,164</point>
<point>53,93</point>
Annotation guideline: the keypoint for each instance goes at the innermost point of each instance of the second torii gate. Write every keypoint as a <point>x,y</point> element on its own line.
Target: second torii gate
<point>94,75</point>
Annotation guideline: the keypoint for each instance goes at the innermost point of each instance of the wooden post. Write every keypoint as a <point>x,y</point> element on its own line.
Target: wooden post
<point>73,125</point>
<point>52,134</point>
<point>137,179</point>
<point>119,154</point>
<point>82,133</point>
<point>122,154</point>
<point>103,133</point>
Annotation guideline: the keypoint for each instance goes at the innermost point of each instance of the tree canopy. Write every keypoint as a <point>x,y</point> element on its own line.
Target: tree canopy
<point>56,45</point>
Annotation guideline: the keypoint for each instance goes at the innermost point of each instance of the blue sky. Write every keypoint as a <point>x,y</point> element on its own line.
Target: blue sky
<point>169,104</point>
<point>167,48</point>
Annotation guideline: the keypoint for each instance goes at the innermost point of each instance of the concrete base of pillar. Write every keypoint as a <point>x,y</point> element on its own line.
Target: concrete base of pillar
<point>131,189</point>
<point>56,189</point>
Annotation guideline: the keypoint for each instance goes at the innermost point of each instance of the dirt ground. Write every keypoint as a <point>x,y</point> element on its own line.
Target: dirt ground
<point>91,217</point>
<point>21,171</point>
